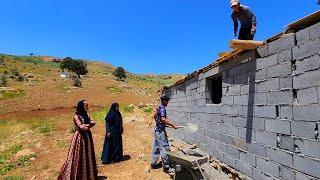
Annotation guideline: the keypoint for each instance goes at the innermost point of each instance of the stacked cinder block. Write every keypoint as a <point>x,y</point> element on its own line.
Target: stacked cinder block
<point>267,125</point>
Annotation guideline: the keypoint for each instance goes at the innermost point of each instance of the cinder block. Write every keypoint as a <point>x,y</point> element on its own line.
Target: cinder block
<point>279,156</point>
<point>244,168</point>
<point>226,139</point>
<point>280,70</point>
<point>248,66</point>
<point>308,64</point>
<point>266,138</point>
<point>229,130</point>
<point>301,176</point>
<point>214,135</point>
<point>287,173</point>
<point>260,98</point>
<point>230,110</point>
<point>247,134</point>
<point>255,123</point>
<point>231,161</point>
<point>239,121</point>
<point>278,126</point>
<point>265,111</point>
<point>257,149</point>
<point>258,175</point>
<point>303,36</point>
<point>221,146</point>
<point>280,97</point>
<point>309,112</point>
<point>265,62</point>
<point>218,154</point>
<point>227,82</point>
<point>233,151</point>
<point>242,100</point>
<point>285,56</point>
<point>282,44</point>
<point>307,96</point>
<point>286,83</point>
<point>261,75</point>
<point>314,31</point>
<point>234,71</point>
<point>243,111</point>
<point>263,51</point>
<point>308,147</point>
<point>285,112</point>
<point>227,100</point>
<point>241,79</point>
<point>248,158</point>
<point>303,129</point>
<point>240,144</point>
<point>268,166</point>
<point>307,165</point>
<point>269,85</point>
<point>234,90</point>
<point>212,109</point>
<point>244,89</point>
<point>287,143</point>
<point>307,49</point>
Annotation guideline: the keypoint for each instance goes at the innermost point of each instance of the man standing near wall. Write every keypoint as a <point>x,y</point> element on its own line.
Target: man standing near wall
<point>161,143</point>
<point>247,19</point>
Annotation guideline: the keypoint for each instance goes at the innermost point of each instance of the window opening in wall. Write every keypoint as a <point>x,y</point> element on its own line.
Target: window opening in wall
<point>214,89</point>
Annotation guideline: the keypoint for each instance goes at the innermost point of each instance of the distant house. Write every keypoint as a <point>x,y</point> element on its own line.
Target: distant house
<point>64,75</point>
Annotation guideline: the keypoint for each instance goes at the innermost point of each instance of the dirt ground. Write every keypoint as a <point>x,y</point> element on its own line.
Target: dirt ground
<point>51,151</point>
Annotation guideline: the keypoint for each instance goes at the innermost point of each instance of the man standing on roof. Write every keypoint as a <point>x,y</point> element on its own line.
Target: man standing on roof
<point>247,19</point>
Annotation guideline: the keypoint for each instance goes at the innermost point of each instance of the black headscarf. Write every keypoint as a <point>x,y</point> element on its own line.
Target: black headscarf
<point>82,112</point>
<point>113,111</point>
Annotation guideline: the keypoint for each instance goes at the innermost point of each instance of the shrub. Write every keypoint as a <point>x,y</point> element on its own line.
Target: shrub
<point>15,72</point>
<point>21,78</point>
<point>3,80</point>
<point>77,82</point>
<point>120,73</point>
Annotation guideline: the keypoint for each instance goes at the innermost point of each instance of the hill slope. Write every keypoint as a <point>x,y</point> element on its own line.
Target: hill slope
<point>36,84</point>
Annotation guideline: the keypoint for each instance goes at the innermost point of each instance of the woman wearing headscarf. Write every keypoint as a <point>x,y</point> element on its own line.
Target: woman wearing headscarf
<point>113,148</point>
<point>81,161</point>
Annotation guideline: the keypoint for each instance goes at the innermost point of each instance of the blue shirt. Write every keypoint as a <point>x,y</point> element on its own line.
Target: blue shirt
<point>161,112</point>
<point>245,16</point>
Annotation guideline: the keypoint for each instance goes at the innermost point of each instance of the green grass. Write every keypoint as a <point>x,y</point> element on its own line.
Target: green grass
<point>126,109</point>
<point>148,110</point>
<point>11,94</point>
<point>114,89</point>
<point>14,127</point>
<point>99,115</point>
<point>13,178</point>
<point>5,164</point>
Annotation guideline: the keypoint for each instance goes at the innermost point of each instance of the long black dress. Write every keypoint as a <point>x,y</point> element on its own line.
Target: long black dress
<point>113,148</point>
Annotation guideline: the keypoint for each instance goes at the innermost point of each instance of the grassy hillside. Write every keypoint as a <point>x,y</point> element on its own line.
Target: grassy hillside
<point>36,109</point>
<point>36,82</point>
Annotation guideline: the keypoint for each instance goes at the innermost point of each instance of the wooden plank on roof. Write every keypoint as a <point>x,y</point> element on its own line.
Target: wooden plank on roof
<point>304,22</point>
<point>245,44</point>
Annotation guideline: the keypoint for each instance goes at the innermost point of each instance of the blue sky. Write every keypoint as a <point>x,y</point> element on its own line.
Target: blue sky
<point>143,36</point>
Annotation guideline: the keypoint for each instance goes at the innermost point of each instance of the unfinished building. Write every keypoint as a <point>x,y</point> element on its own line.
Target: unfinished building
<point>258,111</point>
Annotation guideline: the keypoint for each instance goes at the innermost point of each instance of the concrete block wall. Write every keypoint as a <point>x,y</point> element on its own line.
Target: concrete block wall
<point>267,125</point>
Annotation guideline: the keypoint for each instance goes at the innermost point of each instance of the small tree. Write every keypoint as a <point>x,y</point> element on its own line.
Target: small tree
<point>120,73</point>
<point>77,66</point>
